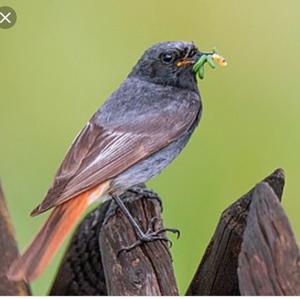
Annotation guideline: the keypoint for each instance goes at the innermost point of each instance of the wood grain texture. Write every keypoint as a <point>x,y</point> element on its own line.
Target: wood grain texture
<point>9,252</point>
<point>269,262</point>
<point>217,272</point>
<point>147,269</point>
<point>89,268</point>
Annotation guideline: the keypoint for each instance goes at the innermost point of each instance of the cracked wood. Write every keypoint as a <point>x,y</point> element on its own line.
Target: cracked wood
<point>269,262</point>
<point>217,272</point>
<point>145,270</point>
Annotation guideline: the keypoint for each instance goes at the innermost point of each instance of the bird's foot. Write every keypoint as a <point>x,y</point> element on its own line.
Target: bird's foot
<point>150,236</point>
<point>152,232</point>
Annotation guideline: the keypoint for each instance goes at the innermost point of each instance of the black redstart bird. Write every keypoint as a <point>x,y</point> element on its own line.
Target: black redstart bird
<point>137,132</point>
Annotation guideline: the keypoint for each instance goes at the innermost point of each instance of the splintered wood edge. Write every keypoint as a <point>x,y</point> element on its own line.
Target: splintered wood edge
<point>269,262</point>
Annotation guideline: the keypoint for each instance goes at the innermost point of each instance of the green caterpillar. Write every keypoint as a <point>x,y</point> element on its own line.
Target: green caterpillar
<point>210,58</point>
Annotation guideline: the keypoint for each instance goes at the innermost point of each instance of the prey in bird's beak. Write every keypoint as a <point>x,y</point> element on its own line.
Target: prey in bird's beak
<point>211,58</point>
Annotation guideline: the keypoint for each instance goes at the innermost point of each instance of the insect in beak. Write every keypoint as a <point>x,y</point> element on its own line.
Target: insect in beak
<point>209,58</point>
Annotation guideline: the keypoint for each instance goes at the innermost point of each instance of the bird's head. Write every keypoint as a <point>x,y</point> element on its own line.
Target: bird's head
<point>170,63</point>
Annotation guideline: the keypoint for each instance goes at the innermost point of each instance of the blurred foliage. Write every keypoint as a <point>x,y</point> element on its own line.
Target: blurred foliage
<point>62,59</point>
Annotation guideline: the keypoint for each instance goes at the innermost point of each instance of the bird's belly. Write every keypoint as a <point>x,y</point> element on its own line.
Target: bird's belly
<point>150,167</point>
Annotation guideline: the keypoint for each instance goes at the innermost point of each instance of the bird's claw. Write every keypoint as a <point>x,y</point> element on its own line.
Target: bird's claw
<point>151,236</point>
<point>171,230</point>
<point>152,232</point>
<point>146,239</point>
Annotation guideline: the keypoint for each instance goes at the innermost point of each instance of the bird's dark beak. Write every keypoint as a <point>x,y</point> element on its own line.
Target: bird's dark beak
<point>185,61</point>
<point>190,60</point>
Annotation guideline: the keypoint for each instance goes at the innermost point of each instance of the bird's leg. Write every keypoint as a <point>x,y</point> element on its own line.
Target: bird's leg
<point>150,235</point>
<point>126,212</point>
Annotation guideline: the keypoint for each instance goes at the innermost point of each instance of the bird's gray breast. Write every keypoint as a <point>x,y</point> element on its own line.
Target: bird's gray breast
<point>151,101</point>
<point>151,166</point>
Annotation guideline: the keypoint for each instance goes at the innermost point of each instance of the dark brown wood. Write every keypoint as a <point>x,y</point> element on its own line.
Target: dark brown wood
<point>87,266</point>
<point>217,272</point>
<point>269,262</point>
<point>145,270</point>
<point>9,252</point>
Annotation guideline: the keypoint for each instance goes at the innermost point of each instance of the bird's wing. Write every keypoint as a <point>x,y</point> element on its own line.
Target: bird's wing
<point>101,152</point>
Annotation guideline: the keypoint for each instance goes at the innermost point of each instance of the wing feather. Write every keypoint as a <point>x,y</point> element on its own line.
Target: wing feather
<point>101,152</point>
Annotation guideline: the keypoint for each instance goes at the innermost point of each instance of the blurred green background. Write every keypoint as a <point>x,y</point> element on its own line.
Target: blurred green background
<point>62,59</point>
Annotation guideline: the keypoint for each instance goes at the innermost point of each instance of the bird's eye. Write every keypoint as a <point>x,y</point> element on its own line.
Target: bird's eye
<point>168,58</point>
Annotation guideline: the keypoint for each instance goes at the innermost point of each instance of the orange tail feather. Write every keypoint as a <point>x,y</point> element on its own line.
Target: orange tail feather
<point>39,253</point>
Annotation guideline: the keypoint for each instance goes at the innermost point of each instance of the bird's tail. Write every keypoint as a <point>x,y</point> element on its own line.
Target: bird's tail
<point>39,253</point>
